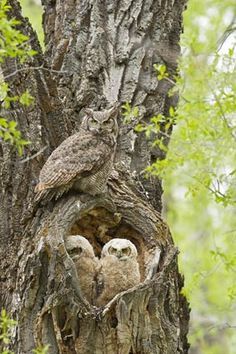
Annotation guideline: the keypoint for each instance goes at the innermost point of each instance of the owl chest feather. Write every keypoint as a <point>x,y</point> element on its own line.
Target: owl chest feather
<point>117,276</point>
<point>120,275</point>
<point>95,183</point>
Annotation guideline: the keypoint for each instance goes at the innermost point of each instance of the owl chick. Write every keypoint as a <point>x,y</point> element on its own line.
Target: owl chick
<point>82,254</point>
<point>84,160</point>
<point>119,269</point>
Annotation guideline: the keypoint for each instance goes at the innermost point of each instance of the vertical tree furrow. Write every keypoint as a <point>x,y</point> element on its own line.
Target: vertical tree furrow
<point>46,109</point>
<point>131,74</point>
<point>38,123</point>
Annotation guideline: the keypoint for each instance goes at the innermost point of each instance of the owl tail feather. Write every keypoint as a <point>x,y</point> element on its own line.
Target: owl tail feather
<point>45,195</point>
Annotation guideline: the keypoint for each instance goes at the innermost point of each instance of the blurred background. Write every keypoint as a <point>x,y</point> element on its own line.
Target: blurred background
<point>199,171</point>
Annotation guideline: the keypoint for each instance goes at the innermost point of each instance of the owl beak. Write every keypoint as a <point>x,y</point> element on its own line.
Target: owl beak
<point>98,130</point>
<point>121,257</point>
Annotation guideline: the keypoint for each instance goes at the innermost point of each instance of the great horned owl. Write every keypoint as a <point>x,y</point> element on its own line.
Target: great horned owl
<point>84,160</point>
<point>82,254</point>
<point>119,269</point>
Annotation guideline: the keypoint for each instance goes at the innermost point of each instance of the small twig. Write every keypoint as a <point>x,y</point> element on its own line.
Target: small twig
<point>35,68</point>
<point>229,30</point>
<point>119,295</point>
<point>222,113</point>
<point>221,326</point>
<point>35,155</point>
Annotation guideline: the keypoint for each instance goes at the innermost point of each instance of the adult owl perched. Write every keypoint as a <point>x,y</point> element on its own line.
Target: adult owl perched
<point>84,160</point>
<point>82,254</point>
<point>119,269</point>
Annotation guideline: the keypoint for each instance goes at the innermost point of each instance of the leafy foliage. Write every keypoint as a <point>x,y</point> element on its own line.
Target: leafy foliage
<point>129,113</point>
<point>13,44</point>
<point>204,121</point>
<point>6,325</point>
<point>199,171</point>
<point>199,174</point>
<point>41,350</point>
<point>9,133</point>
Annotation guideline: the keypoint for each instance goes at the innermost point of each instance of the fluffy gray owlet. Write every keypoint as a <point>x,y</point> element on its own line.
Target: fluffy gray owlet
<point>119,269</point>
<point>84,160</point>
<point>82,254</point>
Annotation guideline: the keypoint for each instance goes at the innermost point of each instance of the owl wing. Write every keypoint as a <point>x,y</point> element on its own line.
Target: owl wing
<point>78,154</point>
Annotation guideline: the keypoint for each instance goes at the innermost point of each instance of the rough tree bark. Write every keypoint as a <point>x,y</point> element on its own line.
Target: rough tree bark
<point>97,52</point>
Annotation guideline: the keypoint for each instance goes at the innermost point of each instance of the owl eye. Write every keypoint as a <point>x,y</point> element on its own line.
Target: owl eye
<point>112,250</point>
<point>108,123</point>
<point>126,251</point>
<point>75,251</point>
<point>93,123</point>
<point>79,250</point>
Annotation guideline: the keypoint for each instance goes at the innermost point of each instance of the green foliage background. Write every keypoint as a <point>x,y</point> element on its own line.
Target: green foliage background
<point>199,174</point>
<point>199,171</point>
<point>33,10</point>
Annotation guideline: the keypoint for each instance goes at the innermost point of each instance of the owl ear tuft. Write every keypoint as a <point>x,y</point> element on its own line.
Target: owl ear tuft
<point>114,109</point>
<point>88,112</point>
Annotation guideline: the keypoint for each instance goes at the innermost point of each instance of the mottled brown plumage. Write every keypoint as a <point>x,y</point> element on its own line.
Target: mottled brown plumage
<point>84,160</point>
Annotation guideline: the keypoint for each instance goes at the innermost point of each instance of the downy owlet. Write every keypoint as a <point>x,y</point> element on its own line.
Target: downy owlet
<point>82,254</point>
<point>119,269</point>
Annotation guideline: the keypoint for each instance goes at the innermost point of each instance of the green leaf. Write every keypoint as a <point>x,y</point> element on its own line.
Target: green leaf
<point>26,99</point>
<point>129,113</point>
<point>41,350</point>
<point>3,123</point>
<point>12,125</point>
<point>171,111</point>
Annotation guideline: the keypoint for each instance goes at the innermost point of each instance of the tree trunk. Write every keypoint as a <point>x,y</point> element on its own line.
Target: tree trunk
<point>97,53</point>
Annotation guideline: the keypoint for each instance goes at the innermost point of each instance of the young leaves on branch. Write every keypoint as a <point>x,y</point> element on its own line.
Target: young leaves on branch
<point>13,44</point>
<point>6,325</point>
